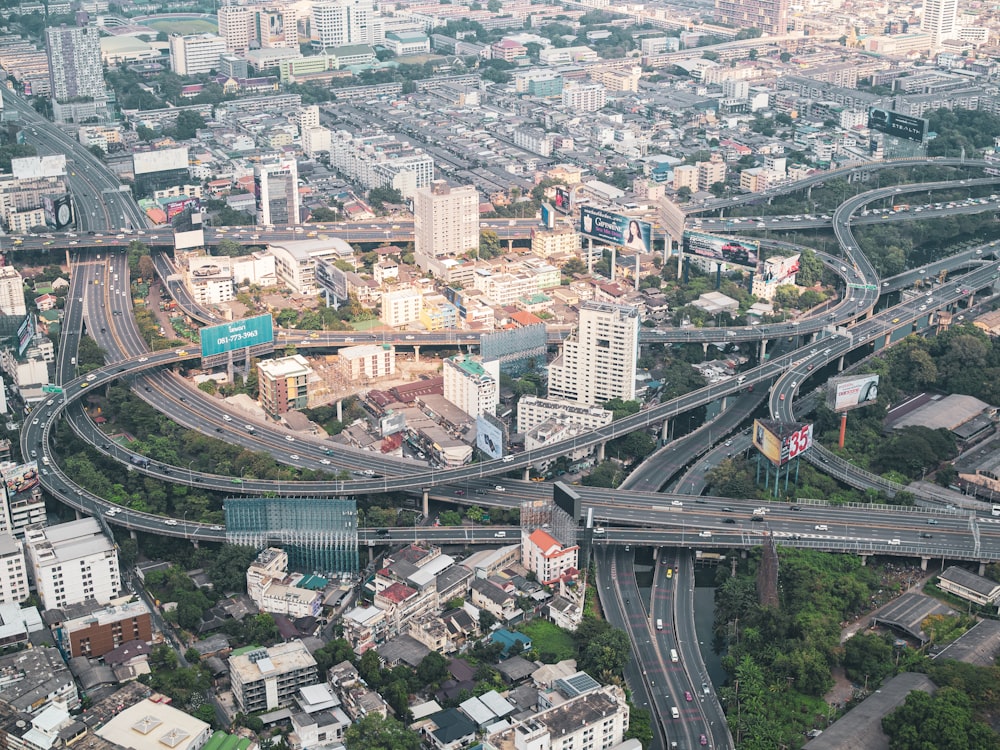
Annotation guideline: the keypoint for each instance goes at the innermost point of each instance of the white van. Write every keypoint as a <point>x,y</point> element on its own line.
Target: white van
<point>659,624</point>
<point>673,655</point>
<point>893,541</point>
<point>500,535</point>
<point>821,527</point>
<point>674,713</point>
<point>705,534</point>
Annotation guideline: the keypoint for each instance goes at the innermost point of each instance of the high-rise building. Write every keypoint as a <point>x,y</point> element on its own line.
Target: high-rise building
<point>338,23</point>
<point>770,16</point>
<point>72,562</point>
<point>76,73</point>
<point>472,384</point>
<point>597,362</point>
<point>445,219</point>
<point>196,54</point>
<point>277,191</point>
<point>12,292</point>
<point>940,20</point>
<point>13,571</point>
<point>235,22</point>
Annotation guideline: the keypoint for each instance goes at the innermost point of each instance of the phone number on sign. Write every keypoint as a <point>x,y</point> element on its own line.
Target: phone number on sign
<point>237,337</point>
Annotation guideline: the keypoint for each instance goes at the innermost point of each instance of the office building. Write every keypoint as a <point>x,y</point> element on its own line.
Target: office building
<point>277,192</point>
<point>196,54</point>
<point>339,23</point>
<point>76,73</point>
<point>283,384</point>
<point>472,384</point>
<point>534,410</point>
<point>276,27</point>
<point>770,16</point>
<point>72,562</point>
<point>597,362</point>
<point>234,26</point>
<point>12,292</point>
<point>13,571</point>
<point>272,589</point>
<point>92,630</point>
<point>686,176</point>
<point>270,678</point>
<point>940,21</point>
<point>445,219</point>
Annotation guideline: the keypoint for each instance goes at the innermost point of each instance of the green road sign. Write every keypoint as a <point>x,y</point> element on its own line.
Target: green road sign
<point>51,389</point>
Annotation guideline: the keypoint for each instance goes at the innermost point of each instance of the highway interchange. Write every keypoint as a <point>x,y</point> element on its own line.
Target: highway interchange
<point>99,301</point>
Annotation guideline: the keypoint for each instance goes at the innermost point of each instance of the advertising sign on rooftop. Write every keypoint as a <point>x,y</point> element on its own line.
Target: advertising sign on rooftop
<point>846,393</point>
<point>616,229</point>
<point>897,125</point>
<point>722,249</point>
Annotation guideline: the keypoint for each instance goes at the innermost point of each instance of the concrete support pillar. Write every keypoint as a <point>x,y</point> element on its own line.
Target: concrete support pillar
<point>665,430</point>
<point>725,403</point>
<point>340,411</point>
<point>763,351</point>
<point>510,246</point>
<point>78,515</point>
<point>924,561</point>
<point>600,451</point>
<point>982,568</point>
<point>813,337</point>
<point>194,543</point>
<point>704,348</point>
<point>527,473</point>
<point>614,256</point>
<point>133,535</point>
<point>426,503</point>
<point>887,340</point>
<point>864,560</point>
<point>416,353</point>
<point>840,364</point>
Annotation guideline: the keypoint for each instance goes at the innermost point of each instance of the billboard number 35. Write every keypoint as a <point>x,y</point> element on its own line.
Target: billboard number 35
<point>800,441</point>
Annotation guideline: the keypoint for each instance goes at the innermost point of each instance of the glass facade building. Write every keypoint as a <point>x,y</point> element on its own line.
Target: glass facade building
<point>320,535</point>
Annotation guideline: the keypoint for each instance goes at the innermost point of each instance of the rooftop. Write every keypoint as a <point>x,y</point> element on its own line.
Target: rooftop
<point>155,726</point>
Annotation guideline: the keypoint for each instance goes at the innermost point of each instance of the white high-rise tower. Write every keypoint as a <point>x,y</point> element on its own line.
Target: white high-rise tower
<point>940,20</point>
<point>597,362</point>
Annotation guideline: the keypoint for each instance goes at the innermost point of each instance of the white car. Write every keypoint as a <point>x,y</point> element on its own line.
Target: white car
<point>325,461</point>
<point>170,522</point>
<point>290,438</point>
<point>678,503</point>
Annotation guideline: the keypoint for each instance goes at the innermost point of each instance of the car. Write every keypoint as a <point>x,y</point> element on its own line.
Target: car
<point>670,572</point>
<point>687,696</point>
<point>410,338</point>
<point>170,522</point>
<point>676,503</point>
<point>325,461</point>
<point>294,456</point>
<point>34,421</point>
<point>705,689</point>
<point>925,535</point>
<point>460,493</point>
<point>290,438</point>
<point>702,740</point>
<point>181,353</point>
<point>110,511</point>
<point>796,507</point>
<point>729,520</point>
<point>932,522</point>
<point>84,385</point>
<point>144,359</point>
<point>895,320</point>
<point>728,443</point>
<point>216,528</point>
<point>821,527</point>
<point>781,397</point>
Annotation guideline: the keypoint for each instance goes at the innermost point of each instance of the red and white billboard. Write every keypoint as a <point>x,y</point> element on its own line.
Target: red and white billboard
<point>780,442</point>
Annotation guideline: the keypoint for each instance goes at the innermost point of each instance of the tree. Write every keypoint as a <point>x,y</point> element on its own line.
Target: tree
<point>573,266</point>
<point>231,248</point>
<point>942,722</point>
<point>620,408</point>
<point>486,621</point>
<point>433,669</point>
<point>684,194</point>
<point>606,655</point>
<point>718,189</point>
<point>489,244</point>
<point>494,6</point>
<point>375,733</point>
<point>188,124</point>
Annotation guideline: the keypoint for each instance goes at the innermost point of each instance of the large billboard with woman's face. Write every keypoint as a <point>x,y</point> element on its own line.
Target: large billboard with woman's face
<point>616,229</point>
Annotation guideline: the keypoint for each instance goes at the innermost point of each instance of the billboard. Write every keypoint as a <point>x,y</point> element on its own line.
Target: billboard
<point>175,207</point>
<point>562,200</point>
<point>490,436</point>
<point>780,442</point>
<point>897,125</point>
<point>777,270</point>
<point>238,334</point>
<point>63,211</point>
<point>616,229</point>
<point>20,478</point>
<point>851,392</point>
<point>393,422</point>
<point>25,333</point>
<point>722,249</point>
<point>38,167</point>
<point>548,216</point>
<point>161,160</point>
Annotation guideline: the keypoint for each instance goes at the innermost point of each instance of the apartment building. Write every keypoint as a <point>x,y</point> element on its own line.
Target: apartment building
<point>534,410</point>
<point>584,97</point>
<point>401,307</point>
<point>210,279</point>
<point>92,630</point>
<point>546,244</point>
<point>72,562</point>
<point>12,292</point>
<point>13,571</point>
<point>445,219</point>
<point>284,384</point>
<point>597,720</point>
<point>270,678</point>
<point>472,384</point>
<point>597,362</point>
<point>278,190</point>
<point>367,361</point>
<point>711,172</point>
<point>547,557</point>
